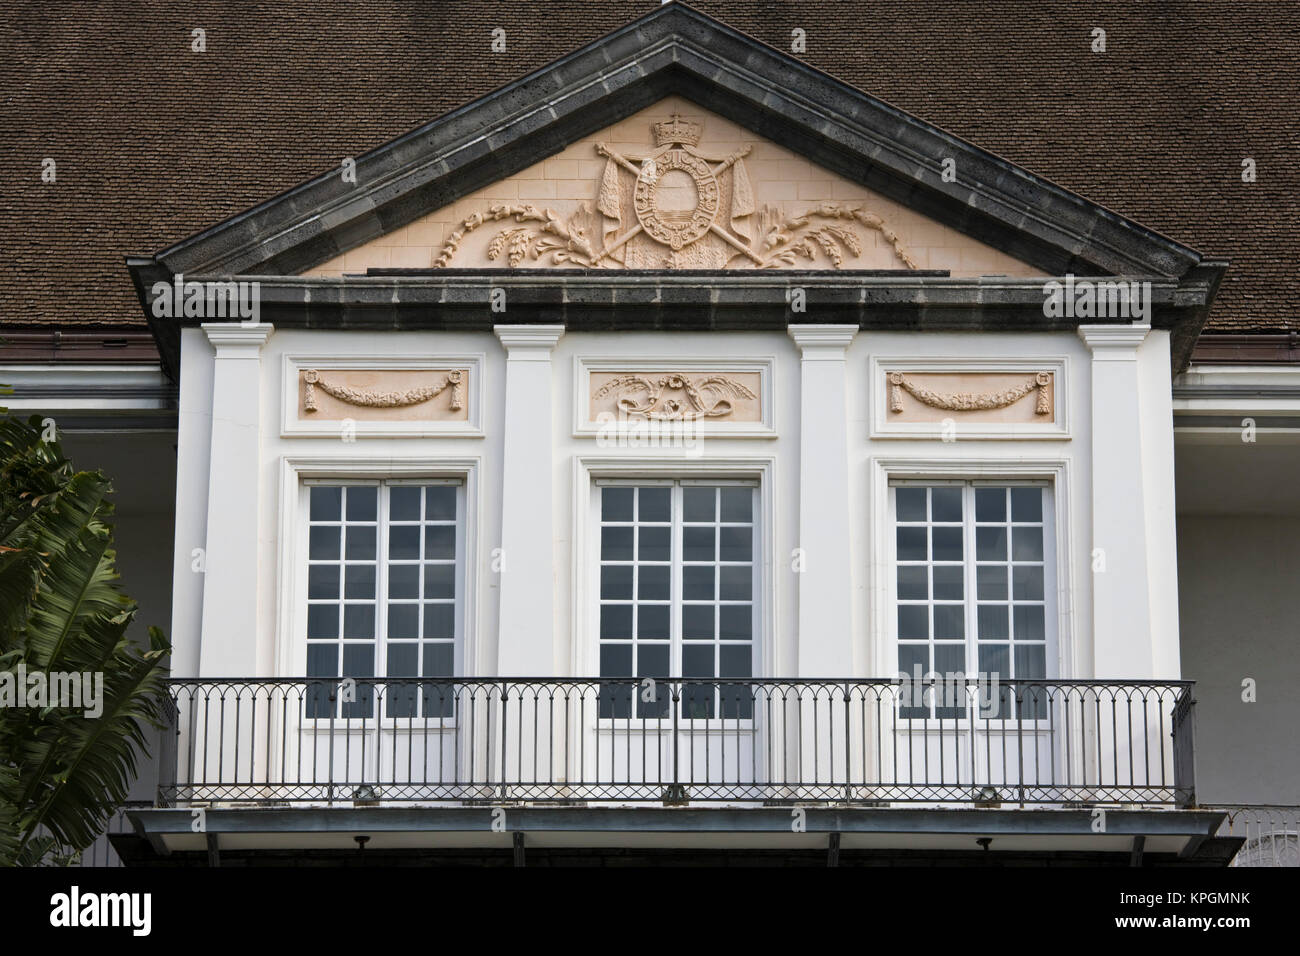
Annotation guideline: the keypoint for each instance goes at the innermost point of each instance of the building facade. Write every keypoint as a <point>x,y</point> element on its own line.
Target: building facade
<point>680,452</point>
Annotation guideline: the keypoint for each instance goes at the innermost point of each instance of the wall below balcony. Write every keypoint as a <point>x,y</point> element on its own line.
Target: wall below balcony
<point>1237,582</point>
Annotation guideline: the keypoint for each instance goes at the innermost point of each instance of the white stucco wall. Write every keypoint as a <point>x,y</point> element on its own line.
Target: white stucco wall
<point>1137,440</point>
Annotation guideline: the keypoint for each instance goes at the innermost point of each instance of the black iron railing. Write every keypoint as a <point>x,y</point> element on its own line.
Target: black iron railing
<point>769,742</point>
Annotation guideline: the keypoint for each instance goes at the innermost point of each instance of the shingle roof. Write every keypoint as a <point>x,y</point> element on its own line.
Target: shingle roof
<point>154,142</point>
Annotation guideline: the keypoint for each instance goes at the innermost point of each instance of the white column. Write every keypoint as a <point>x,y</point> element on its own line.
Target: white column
<point>230,594</point>
<point>526,628</point>
<point>825,639</point>
<point>1122,620</point>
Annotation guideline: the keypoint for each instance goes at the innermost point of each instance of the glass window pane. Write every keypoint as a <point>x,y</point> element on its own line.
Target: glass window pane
<point>736,662</point>
<point>324,543</point>
<point>1026,544</point>
<point>991,582</point>
<point>736,622</point>
<point>738,504</point>
<point>404,502</point>
<point>361,502</point>
<point>616,504</point>
<point>945,504</point>
<point>1026,504</point>
<point>616,582</point>
<point>736,582</point>
<point>699,504</point>
<point>440,503</point>
<point>993,622</point>
<point>913,622</point>
<point>616,543</point>
<point>652,582</point>
<point>653,544</point>
<point>322,621</point>
<point>911,544</point>
<point>995,659</point>
<point>652,622</point>
<point>948,582</point>
<point>910,504</point>
<point>653,504</point>
<point>440,542</point>
<point>359,542</point>
<point>652,661</point>
<point>1027,583</point>
<point>439,621</point>
<point>1029,622</point>
<point>359,581</point>
<point>990,543</point>
<point>913,582</point>
<point>697,583</point>
<point>697,622</point>
<point>403,622</point>
<point>404,581</point>
<point>322,660</point>
<point>440,580</point>
<point>616,660</point>
<point>698,543</point>
<point>949,622</point>
<point>323,581</point>
<point>991,504</point>
<point>736,544</point>
<point>615,621</point>
<point>946,544</point>
<point>359,660</point>
<point>1031,661</point>
<point>359,622</point>
<point>697,660</point>
<point>326,503</point>
<point>403,660</point>
<point>404,543</point>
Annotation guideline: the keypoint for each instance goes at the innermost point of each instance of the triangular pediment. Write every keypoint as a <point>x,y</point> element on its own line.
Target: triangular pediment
<point>676,186</point>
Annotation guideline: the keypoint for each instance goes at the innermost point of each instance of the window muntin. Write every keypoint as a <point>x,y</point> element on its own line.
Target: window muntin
<point>384,573</point>
<point>973,587</point>
<point>677,594</point>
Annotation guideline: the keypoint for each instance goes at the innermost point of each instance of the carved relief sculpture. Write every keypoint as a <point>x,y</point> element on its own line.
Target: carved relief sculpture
<point>382,393</point>
<point>971,401</point>
<point>676,207</point>
<point>674,396</point>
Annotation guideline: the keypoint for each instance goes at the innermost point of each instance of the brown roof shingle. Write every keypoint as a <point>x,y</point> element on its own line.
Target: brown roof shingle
<point>154,142</point>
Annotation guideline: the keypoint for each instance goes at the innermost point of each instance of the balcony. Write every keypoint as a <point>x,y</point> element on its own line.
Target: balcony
<point>601,742</point>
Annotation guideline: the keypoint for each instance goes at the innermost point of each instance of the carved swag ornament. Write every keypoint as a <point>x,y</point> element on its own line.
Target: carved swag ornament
<point>676,207</point>
<point>371,398</point>
<point>970,401</point>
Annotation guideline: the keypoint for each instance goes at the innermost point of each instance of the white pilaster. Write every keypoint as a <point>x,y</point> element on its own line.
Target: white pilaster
<point>1122,613</point>
<point>526,627</point>
<point>825,638</point>
<point>230,594</point>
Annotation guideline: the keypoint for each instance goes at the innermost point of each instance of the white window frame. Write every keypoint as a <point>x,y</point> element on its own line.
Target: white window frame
<point>296,472</point>
<point>383,523</point>
<point>1067,661</point>
<point>587,470</point>
<point>971,642</point>
<point>676,565</point>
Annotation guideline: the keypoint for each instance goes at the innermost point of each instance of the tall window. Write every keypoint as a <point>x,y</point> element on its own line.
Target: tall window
<point>678,593</point>
<point>974,584</point>
<point>384,572</point>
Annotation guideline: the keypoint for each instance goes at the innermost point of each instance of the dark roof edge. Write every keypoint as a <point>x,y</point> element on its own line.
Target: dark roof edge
<point>459,300</point>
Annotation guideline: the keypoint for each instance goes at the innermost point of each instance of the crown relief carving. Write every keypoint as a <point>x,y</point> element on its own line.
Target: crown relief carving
<point>677,207</point>
<point>971,401</point>
<point>710,396</point>
<point>373,398</point>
